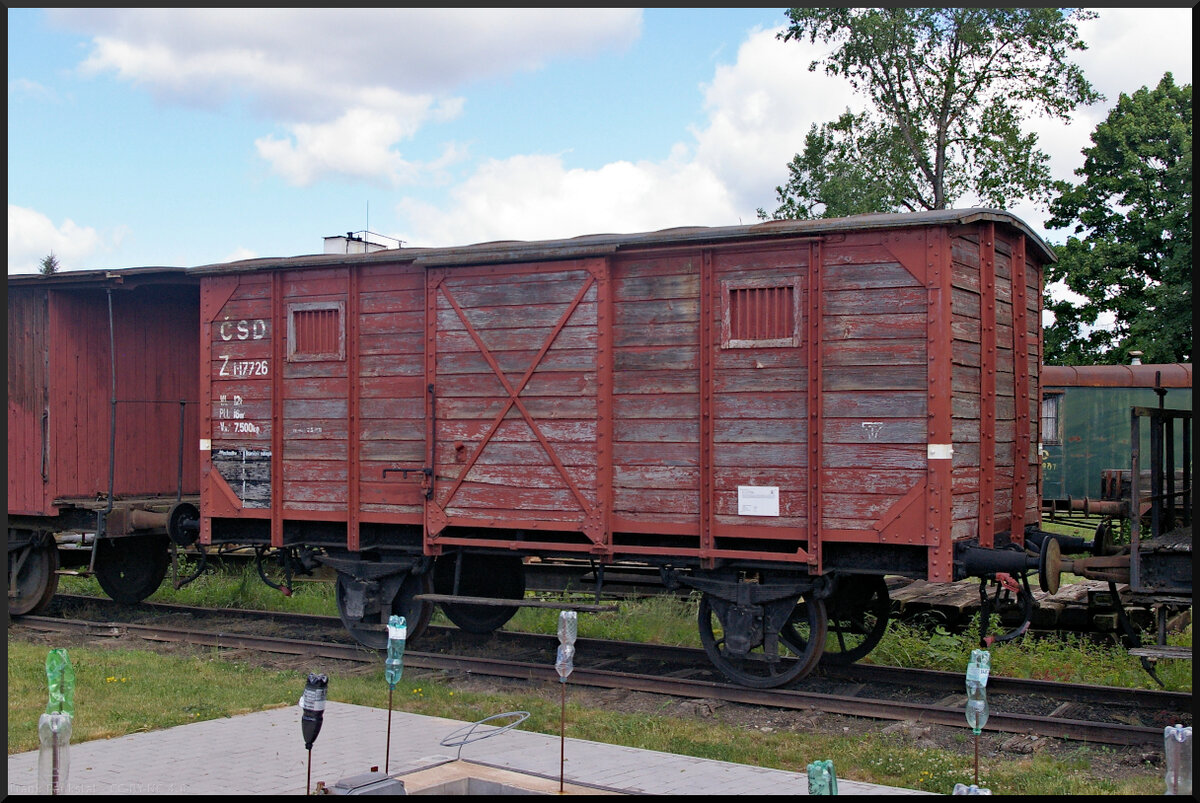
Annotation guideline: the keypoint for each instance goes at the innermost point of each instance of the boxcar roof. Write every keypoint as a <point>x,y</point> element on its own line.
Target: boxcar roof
<point>599,244</point>
<point>124,277</point>
<point>1164,375</point>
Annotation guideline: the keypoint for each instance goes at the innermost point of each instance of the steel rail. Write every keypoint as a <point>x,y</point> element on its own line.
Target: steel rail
<point>929,679</point>
<point>1071,729</point>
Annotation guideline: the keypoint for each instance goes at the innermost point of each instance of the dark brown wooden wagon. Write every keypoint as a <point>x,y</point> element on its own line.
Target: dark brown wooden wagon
<point>776,415</point>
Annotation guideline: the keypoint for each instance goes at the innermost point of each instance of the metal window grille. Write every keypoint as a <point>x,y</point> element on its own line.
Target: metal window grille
<point>761,315</point>
<point>315,331</point>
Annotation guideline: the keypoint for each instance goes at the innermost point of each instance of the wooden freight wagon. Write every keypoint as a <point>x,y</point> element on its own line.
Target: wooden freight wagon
<point>776,415</point>
<point>103,418</point>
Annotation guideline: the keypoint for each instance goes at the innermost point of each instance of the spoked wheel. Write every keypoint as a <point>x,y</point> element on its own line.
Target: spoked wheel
<point>370,629</point>
<point>494,576</point>
<point>858,615</point>
<point>755,668</point>
<point>132,567</point>
<point>32,581</point>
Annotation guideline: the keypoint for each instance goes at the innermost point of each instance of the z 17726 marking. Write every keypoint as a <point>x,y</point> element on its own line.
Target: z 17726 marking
<point>242,367</point>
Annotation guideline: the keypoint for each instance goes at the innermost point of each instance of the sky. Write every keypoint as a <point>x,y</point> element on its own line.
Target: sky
<point>141,137</point>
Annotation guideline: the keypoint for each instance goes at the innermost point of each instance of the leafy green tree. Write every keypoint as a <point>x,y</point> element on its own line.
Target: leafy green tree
<point>49,264</point>
<point>948,89</point>
<point>1134,260</point>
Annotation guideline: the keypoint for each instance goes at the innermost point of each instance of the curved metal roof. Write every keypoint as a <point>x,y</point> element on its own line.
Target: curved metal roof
<point>1163,375</point>
<point>599,244</point>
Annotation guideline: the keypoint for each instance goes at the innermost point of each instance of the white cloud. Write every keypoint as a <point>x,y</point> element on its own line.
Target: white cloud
<point>295,58</point>
<point>32,236</point>
<point>347,85</point>
<point>360,144</point>
<point>537,197</point>
<point>759,110</point>
<point>23,87</point>
<point>238,254</point>
<point>1128,48</point>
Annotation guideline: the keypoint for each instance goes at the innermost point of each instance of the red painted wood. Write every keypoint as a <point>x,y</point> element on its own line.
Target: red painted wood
<point>29,475</point>
<point>278,326</point>
<point>599,398</point>
<point>1021,435</point>
<point>61,392</point>
<point>987,385</point>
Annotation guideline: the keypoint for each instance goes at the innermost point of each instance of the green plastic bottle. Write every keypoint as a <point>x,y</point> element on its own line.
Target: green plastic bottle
<point>60,676</point>
<point>54,726</point>
<point>397,637</point>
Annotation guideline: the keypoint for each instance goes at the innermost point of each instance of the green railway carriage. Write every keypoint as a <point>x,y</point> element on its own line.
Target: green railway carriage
<point>1086,425</point>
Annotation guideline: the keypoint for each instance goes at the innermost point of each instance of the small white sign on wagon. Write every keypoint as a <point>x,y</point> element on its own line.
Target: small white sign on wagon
<point>758,500</point>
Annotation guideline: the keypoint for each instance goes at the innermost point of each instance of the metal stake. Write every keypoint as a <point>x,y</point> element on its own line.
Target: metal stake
<point>562,737</point>
<point>54,782</point>
<point>388,750</point>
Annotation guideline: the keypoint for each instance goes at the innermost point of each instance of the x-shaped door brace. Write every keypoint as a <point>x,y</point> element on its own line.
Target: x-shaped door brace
<point>514,400</point>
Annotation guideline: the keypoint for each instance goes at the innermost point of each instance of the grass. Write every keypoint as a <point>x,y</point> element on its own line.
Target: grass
<point>124,691</point>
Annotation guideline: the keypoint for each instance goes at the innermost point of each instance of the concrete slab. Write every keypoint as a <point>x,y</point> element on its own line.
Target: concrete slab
<point>263,754</point>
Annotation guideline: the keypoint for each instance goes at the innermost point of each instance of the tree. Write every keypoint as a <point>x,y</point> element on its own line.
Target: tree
<point>948,89</point>
<point>49,264</point>
<point>1134,261</point>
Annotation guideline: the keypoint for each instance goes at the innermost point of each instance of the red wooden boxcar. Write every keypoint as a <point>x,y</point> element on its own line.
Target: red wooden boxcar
<point>102,398</point>
<point>776,415</point>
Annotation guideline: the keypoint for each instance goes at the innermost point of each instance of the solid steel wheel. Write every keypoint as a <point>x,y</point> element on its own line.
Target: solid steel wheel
<point>494,576</point>
<point>373,634</point>
<point>857,614</point>
<point>756,669</point>
<point>32,581</point>
<point>132,567</point>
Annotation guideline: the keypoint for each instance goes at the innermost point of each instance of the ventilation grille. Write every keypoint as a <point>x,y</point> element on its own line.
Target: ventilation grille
<point>760,316</point>
<point>315,332</point>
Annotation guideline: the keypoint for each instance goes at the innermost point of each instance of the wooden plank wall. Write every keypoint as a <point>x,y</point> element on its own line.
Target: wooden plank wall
<point>760,406</point>
<point>28,358</point>
<point>80,393</point>
<point>656,397</point>
<point>154,332</point>
<point>240,368</point>
<point>875,384</point>
<point>315,404</point>
<point>516,364</point>
<point>995,363</point>
<point>157,358</point>
<point>392,400</point>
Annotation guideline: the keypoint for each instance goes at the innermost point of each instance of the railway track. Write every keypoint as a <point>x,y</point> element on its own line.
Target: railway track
<point>1099,715</point>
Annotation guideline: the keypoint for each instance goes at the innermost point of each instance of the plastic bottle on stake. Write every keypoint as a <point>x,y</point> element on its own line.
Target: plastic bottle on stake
<point>54,726</point>
<point>1177,749</point>
<point>568,627</point>
<point>397,637</point>
<point>312,703</point>
<point>977,677</point>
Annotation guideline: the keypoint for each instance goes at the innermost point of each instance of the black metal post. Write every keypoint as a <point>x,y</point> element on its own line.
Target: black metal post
<point>977,759</point>
<point>562,737</point>
<point>387,752</point>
